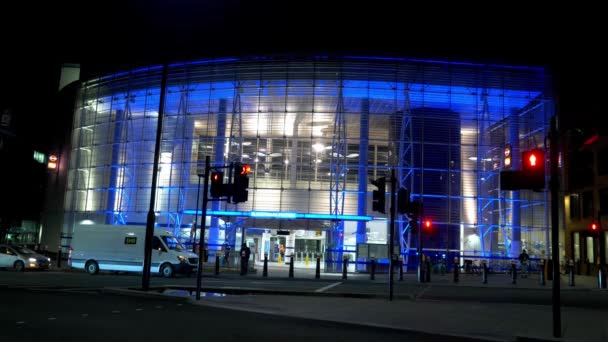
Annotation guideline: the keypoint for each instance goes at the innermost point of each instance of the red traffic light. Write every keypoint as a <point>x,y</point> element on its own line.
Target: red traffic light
<point>533,159</point>
<point>246,169</point>
<point>594,226</point>
<point>427,224</point>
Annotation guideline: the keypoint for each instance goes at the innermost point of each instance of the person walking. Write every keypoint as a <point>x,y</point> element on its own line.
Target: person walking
<point>524,260</point>
<point>245,253</point>
<point>226,250</point>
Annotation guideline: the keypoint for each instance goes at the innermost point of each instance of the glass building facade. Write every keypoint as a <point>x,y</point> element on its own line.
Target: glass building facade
<point>316,132</point>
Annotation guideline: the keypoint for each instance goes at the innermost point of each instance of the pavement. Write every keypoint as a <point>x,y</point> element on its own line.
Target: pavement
<point>476,321</point>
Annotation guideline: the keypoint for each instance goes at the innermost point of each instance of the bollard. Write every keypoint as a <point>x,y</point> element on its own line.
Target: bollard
<point>513,273</point>
<point>588,268</point>
<point>484,273</point>
<point>541,272</point>
<point>59,258</point>
<point>428,271</point>
<point>400,268</point>
<point>571,273</point>
<point>318,270</point>
<point>344,266</point>
<point>291,267</point>
<point>420,273</point>
<point>265,271</point>
<point>601,277</point>
<point>217,264</point>
<point>372,274</point>
<point>455,270</point>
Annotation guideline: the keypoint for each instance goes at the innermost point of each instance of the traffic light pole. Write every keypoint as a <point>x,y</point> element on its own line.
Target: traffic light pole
<point>554,184</point>
<point>392,235</point>
<point>201,240</point>
<point>150,220</point>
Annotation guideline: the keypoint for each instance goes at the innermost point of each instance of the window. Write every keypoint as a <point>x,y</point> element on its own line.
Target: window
<point>576,237</point>
<point>587,204</point>
<point>575,207</point>
<point>157,245</point>
<point>590,244</point>
<point>602,162</point>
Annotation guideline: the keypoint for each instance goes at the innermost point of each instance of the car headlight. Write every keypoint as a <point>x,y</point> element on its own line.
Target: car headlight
<point>32,259</point>
<point>181,258</point>
<point>49,259</point>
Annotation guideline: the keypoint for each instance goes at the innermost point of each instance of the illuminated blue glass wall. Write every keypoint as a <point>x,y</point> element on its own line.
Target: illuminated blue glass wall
<point>279,116</point>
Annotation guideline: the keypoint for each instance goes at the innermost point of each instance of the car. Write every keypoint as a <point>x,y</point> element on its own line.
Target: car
<point>21,258</point>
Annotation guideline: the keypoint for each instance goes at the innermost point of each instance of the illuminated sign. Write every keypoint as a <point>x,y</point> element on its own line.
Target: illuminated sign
<point>39,157</point>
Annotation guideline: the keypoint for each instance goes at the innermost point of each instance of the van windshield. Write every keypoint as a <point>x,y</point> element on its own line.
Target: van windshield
<point>172,243</point>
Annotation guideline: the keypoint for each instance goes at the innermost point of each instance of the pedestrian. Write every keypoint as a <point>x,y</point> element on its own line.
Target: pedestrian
<point>226,250</point>
<point>524,259</point>
<point>245,253</point>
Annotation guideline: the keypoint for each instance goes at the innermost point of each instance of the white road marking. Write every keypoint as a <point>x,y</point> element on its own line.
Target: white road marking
<point>52,318</point>
<point>115,311</point>
<point>84,315</point>
<point>20,322</point>
<point>159,307</point>
<point>139,309</point>
<point>179,304</point>
<point>328,287</point>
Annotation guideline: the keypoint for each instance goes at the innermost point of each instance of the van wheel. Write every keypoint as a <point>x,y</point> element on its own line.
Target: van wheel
<point>91,267</point>
<point>166,270</point>
<point>19,266</point>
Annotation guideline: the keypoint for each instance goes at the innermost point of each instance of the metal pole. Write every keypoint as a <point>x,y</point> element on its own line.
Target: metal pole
<point>198,190</point>
<point>151,216</point>
<point>391,253</point>
<point>201,240</point>
<point>556,300</point>
<point>265,271</point>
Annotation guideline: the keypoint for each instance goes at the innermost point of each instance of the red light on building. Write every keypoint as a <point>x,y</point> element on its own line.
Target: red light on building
<point>594,226</point>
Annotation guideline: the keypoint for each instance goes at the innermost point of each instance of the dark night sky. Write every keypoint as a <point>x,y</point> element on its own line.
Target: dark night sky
<point>36,39</point>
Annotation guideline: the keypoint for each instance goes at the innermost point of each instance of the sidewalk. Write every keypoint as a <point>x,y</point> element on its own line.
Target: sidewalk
<point>449,318</point>
<point>478,321</point>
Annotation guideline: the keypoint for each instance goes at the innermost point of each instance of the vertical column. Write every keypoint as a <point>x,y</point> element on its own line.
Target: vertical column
<point>290,246</point>
<point>516,164</point>
<point>362,199</point>
<point>218,159</point>
<point>113,183</point>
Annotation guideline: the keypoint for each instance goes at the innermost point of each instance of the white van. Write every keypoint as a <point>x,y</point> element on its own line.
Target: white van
<point>97,248</point>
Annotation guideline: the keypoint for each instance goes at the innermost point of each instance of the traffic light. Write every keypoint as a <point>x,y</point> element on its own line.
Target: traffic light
<point>403,200</point>
<point>241,183</point>
<point>217,184</point>
<point>378,197</point>
<point>531,175</point>
<point>53,160</point>
<point>533,169</point>
<point>427,224</point>
<point>594,226</point>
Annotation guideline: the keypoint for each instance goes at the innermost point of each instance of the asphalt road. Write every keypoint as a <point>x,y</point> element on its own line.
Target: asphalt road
<point>90,315</point>
<point>499,289</point>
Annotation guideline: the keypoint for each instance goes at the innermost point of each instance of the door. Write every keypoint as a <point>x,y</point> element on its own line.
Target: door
<point>7,257</point>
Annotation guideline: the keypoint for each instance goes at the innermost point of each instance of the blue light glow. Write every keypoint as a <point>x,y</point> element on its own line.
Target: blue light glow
<point>281,215</point>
